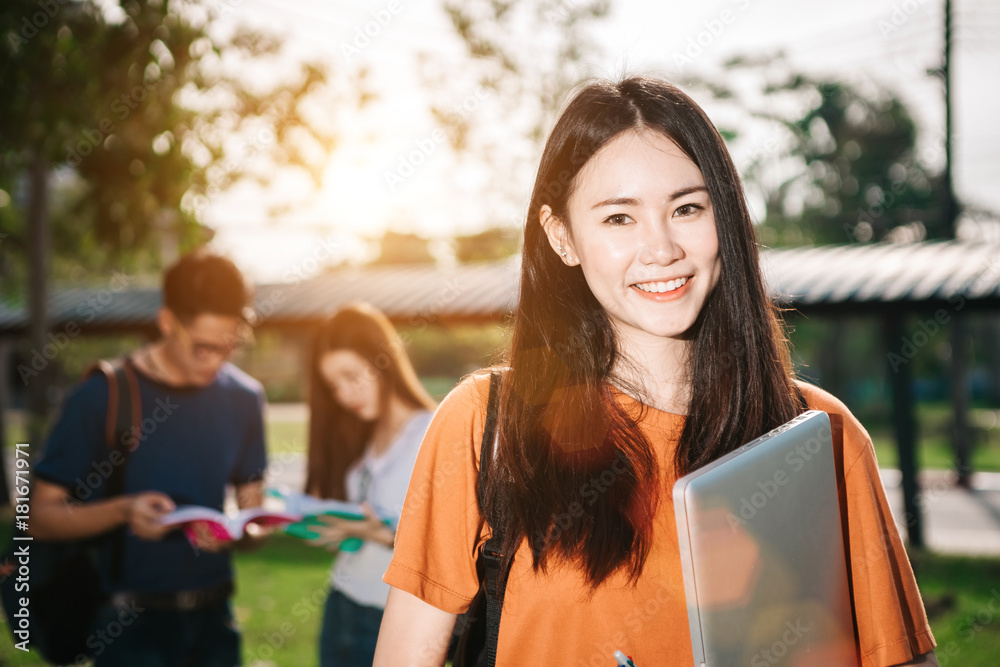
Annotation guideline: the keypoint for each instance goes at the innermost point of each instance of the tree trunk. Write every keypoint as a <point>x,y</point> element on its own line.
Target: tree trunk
<point>4,405</point>
<point>991,337</point>
<point>38,273</point>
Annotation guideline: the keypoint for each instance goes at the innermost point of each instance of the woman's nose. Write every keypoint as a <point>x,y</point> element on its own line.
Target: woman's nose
<point>658,243</point>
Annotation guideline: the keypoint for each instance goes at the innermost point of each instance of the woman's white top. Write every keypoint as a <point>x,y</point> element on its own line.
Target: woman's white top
<point>381,482</point>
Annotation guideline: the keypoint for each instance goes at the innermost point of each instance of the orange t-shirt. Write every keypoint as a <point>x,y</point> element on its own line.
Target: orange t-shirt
<point>552,618</point>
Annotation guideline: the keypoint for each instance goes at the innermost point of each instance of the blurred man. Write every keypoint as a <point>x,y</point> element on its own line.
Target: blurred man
<point>202,429</point>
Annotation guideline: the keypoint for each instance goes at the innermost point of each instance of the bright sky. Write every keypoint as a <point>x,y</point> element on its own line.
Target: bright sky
<point>892,42</point>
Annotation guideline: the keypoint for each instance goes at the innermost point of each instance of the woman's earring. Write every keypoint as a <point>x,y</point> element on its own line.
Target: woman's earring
<point>561,251</point>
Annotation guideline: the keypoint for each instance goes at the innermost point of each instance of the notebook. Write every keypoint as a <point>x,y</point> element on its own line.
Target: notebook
<point>762,552</point>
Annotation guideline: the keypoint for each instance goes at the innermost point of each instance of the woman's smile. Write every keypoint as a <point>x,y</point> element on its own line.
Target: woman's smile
<point>664,290</point>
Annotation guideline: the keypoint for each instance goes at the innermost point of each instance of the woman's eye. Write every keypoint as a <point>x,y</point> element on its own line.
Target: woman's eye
<point>617,219</point>
<point>687,209</point>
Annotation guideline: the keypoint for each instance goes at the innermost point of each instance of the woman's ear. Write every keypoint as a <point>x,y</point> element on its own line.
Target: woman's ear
<point>559,237</point>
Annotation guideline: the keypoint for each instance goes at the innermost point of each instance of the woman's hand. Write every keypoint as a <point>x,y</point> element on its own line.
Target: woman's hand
<point>334,530</point>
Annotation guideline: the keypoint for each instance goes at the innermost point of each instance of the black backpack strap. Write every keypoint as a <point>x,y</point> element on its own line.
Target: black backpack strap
<point>798,394</point>
<point>491,551</point>
<point>122,428</point>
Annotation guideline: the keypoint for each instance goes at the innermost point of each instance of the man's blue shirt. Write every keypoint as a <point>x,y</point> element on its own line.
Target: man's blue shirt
<point>195,441</point>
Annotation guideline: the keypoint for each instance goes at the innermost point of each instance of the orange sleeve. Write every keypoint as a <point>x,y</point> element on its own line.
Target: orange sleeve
<point>434,556</point>
<point>889,613</point>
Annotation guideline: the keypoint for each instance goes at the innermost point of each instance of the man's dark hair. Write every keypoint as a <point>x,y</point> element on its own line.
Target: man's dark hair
<point>203,282</point>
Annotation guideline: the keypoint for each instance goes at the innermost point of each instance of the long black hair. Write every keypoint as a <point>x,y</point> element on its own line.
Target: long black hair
<point>560,426</point>
<point>337,436</point>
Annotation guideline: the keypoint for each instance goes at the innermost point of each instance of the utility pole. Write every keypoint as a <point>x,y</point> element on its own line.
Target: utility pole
<point>949,211</point>
<point>961,434</point>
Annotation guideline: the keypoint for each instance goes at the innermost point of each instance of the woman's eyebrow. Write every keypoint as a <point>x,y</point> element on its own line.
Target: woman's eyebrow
<point>616,201</point>
<point>631,201</point>
<point>687,191</point>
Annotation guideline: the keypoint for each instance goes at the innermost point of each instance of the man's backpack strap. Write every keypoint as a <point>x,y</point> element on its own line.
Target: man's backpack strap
<point>122,428</point>
<point>491,552</point>
<point>124,419</point>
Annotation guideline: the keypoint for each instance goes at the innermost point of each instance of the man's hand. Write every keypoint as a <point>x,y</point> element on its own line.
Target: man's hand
<point>205,540</point>
<point>254,536</point>
<point>144,513</point>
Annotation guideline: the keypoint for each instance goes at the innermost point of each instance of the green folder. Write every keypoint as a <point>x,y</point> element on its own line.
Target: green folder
<point>304,529</point>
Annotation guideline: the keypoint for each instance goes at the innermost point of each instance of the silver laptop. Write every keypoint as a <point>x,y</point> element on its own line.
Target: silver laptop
<point>762,551</point>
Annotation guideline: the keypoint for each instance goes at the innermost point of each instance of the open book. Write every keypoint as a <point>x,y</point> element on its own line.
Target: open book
<point>310,509</point>
<point>223,526</point>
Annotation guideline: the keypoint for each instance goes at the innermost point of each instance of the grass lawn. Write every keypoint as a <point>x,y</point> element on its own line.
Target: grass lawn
<point>282,588</point>
<point>962,597</point>
<point>934,442</point>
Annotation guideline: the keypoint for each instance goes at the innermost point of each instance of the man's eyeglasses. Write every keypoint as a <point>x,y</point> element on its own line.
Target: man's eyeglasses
<point>203,351</point>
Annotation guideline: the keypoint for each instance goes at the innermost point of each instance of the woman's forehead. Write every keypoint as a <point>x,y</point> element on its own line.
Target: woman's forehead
<point>633,160</point>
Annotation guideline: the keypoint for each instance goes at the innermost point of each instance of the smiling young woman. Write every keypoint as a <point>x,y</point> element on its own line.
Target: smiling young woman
<point>644,346</point>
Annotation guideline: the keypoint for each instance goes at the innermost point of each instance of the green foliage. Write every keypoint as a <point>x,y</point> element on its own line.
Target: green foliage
<point>847,166</point>
<point>281,590</point>
<point>489,245</point>
<point>147,112</point>
<point>962,599</point>
<point>453,351</point>
<point>934,448</point>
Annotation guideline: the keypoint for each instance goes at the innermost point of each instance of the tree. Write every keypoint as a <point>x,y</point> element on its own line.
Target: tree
<point>846,167</point>
<point>143,111</point>
<point>497,107</point>
<point>490,245</point>
<point>149,112</point>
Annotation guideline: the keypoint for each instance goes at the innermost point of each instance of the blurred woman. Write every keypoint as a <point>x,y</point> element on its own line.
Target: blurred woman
<point>367,415</point>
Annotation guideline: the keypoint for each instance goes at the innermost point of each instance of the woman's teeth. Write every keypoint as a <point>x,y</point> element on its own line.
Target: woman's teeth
<point>657,288</point>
